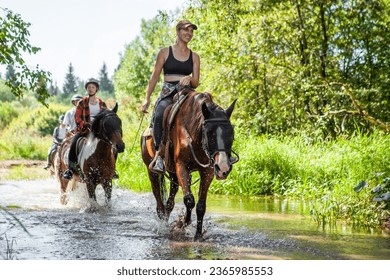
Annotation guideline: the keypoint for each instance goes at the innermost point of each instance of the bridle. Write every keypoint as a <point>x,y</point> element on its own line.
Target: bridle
<point>102,131</point>
<point>204,142</point>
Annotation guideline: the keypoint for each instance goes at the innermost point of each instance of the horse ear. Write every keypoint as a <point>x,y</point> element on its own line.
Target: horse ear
<point>115,108</point>
<point>229,110</point>
<point>205,110</point>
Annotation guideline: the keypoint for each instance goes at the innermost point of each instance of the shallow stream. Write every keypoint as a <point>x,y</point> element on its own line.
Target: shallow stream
<point>235,228</point>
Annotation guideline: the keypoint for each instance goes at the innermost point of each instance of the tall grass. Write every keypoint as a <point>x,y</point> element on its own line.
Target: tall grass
<point>323,173</point>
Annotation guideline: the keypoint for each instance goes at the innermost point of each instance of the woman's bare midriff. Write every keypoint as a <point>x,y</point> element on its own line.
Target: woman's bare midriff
<point>173,78</point>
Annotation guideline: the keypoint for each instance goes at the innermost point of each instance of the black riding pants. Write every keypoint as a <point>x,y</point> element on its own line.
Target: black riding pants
<point>72,150</point>
<point>157,119</point>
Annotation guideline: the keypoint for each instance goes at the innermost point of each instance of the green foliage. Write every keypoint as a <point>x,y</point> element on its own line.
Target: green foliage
<point>281,59</point>
<point>5,92</point>
<point>30,135</point>
<point>377,199</point>
<point>7,113</point>
<point>14,40</point>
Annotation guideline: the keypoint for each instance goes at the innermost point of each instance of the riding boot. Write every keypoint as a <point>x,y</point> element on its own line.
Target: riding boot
<point>47,166</point>
<point>157,164</point>
<point>68,174</point>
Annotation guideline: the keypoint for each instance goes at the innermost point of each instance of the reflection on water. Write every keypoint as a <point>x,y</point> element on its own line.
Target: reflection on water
<point>290,220</point>
<point>235,228</point>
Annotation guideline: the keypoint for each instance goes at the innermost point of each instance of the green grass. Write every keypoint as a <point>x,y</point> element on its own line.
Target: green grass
<point>21,172</point>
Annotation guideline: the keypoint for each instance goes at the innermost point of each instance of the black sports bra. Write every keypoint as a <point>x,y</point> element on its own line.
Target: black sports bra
<point>173,66</point>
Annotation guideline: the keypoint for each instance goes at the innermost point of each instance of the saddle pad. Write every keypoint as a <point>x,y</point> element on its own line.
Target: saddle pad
<point>147,132</point>
<point>66,157</point>
<point>175,108</point>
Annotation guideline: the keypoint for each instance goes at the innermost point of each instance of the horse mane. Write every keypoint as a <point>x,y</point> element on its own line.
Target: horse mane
<point>195,101</point>
<point>95,128</point>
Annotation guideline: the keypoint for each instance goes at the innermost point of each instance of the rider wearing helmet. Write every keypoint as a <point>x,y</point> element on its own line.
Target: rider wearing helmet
<point>87,108</point>
<point>59,134</point>
<point>69,120</point>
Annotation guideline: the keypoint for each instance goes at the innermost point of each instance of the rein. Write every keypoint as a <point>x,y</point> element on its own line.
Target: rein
<point>189,140</point>
<point>205,147</point>
<point>136,135</point>
<point>102,132</point>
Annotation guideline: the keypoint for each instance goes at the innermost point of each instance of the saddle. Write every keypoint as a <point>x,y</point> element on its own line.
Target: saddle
<point>168,118</point>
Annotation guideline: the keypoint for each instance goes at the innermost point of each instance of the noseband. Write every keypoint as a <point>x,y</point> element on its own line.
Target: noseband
<point>205,143</point>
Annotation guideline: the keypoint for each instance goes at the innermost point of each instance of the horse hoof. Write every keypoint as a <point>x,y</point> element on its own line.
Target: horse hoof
<point>198,237</point>
<point>64,199</point>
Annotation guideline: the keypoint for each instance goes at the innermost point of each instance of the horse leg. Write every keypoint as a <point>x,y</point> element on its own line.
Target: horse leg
<point>107,187</point>
<point>91,186</point>
<point>184,180</point>
<point>155,181</point>
<point>205,180</point>
<point>174,187</point>
<point>63,195</point>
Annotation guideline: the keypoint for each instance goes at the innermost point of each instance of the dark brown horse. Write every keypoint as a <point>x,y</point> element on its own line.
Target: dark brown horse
<point>96,156</point>
<point>198,136</point>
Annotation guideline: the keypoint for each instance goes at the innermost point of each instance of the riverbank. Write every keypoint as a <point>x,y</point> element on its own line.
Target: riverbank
<point>22,169</point>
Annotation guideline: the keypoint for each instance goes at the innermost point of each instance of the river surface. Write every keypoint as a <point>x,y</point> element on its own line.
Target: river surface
<point>235,228</point>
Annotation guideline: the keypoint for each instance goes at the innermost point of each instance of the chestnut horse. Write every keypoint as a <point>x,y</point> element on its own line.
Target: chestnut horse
<point>198,136</point>
<point>96,155</point>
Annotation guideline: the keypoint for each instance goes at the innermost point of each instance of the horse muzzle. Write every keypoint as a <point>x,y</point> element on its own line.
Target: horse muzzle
<point>222,166</point>
<point>120,148</point>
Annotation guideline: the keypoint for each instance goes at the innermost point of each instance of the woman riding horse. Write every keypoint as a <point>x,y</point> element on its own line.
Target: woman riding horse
<point>198,136</point>
<point>181,68</point>
<point>97,155</point>
<point>87,109</point>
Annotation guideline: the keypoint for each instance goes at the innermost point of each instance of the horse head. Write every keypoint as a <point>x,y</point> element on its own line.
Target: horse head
<point>218,135</point>
<point>108,127</point>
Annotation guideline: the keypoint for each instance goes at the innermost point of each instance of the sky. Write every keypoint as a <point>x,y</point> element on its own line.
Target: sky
<point>86,33</point>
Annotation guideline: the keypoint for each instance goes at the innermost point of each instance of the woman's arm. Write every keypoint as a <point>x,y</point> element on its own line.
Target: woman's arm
<point>161,57</point>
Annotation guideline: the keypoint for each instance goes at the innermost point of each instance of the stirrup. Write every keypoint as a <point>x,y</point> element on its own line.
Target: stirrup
<point>157,165</point>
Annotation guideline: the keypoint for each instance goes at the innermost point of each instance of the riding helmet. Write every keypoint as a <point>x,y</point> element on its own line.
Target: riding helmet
<point>92,81</point>
<point>61,118</point>
<point>76,97</point>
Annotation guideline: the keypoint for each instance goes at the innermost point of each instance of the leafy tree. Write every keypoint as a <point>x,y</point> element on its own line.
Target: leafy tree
<point>13,41</point>
<point>105,82</point>
<point>54,89</point>
<point>299,65</point>
<point>70,85</point>
<point>284,58</point>
<point>5,93</point>
<point>10,73</point>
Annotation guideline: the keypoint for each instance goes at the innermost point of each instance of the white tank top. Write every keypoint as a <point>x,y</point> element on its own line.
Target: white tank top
<point>62,132</point>
<point>94,110</point>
